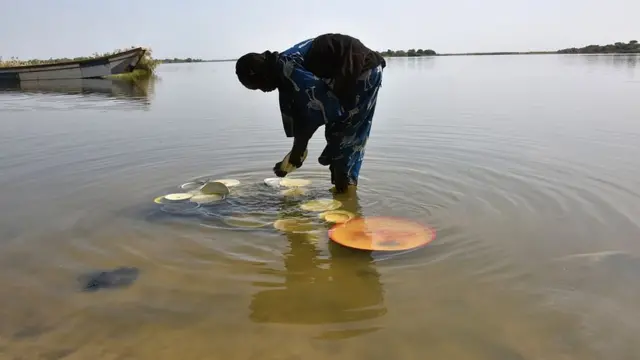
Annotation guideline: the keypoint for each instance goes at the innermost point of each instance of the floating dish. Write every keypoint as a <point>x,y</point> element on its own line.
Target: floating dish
<point>289,182</point>
<point>382,234</point>
<point>228,182</point>
<point>337,216</point>
<point>272,182</point>
<point>192,185</point>
<point>214,187</point>
<point>300,225</point>
<point>160,200</point>
<point>245,221</point>
<point>206,199</point>
<point>321,205</point>
<point>178,197</point>
<point>296,191</point>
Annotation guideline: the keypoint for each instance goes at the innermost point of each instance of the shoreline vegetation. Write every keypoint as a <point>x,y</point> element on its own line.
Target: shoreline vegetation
<point>408,53</point>
<point>632,47</point>
<point>147,65</point>
<point>189,60</point>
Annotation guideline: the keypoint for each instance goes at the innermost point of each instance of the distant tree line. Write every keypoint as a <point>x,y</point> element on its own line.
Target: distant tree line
<point>410,52</point>
<point>619,47</point>
<point>178,60</point>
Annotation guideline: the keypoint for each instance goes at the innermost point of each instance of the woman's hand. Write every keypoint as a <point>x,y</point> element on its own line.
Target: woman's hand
<point>291,162</point>
<point>277,169</point>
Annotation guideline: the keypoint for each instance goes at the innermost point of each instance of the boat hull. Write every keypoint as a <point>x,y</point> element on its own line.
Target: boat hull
<point>86,69</point>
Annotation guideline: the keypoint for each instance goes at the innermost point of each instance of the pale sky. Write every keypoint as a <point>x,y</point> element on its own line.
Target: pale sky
<point>217,29</point>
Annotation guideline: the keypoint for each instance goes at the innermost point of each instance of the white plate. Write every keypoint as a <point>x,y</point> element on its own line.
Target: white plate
<point>273,182</point>
<point>192,185</point>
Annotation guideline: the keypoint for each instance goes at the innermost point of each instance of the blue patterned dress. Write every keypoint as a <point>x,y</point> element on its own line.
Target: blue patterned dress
<point>308,102</point>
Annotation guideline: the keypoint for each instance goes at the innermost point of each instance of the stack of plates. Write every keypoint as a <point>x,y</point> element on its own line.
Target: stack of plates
<point>199,192</point>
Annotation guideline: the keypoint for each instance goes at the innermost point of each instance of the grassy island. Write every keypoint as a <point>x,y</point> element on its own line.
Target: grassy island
<point>632,47</point>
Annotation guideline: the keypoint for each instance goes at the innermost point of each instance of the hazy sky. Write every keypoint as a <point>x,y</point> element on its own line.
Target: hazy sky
<point>226,29</point>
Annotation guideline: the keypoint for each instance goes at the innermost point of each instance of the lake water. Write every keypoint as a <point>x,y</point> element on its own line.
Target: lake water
<point>528,167</point>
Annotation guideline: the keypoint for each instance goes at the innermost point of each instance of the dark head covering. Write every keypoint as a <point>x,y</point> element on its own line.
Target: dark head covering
<point>342,58</point>
<point>258,71</point>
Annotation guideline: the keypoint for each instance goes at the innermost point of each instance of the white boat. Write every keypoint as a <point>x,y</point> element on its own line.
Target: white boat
<point>122,62</point>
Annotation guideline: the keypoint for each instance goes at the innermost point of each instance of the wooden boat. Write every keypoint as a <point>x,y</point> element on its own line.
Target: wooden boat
<point>122,62</point>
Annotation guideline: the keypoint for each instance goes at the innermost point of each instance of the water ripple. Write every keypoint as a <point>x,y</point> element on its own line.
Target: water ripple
<point>526,192</point>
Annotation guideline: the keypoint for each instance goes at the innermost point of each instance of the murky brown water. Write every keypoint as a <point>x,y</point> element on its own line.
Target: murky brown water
<point>527,166</point>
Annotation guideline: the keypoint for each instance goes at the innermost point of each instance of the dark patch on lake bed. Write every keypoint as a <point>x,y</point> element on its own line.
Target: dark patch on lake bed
<point>108,279</point>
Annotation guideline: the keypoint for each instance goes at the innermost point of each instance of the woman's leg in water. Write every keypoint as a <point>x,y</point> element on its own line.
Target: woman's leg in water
<point>346,170</point>
<point>351,139</point>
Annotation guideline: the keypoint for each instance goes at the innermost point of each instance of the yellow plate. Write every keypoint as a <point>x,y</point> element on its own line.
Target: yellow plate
<point>178,196</point>
<point>160,200</point>
<point>337,216</point>
<point>289,182</point>
<point>294,225</point>
<point>214,187</point>
<point>296,191</point>
<point>321,205</point>
<point>228,182</point>
<point>205,199</point>
<point>382,234</point>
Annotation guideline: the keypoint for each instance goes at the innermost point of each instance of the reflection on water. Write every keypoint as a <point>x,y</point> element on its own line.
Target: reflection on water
<point>339,287</point>
<point>343,287</point>
<point>630,61</point>
<point>426,63</point>
<point>139,93</point>
<point>595,62</point>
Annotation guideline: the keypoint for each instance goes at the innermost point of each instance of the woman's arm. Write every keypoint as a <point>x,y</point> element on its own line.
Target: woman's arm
<point>296,125</point>
<point>306,104</point>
